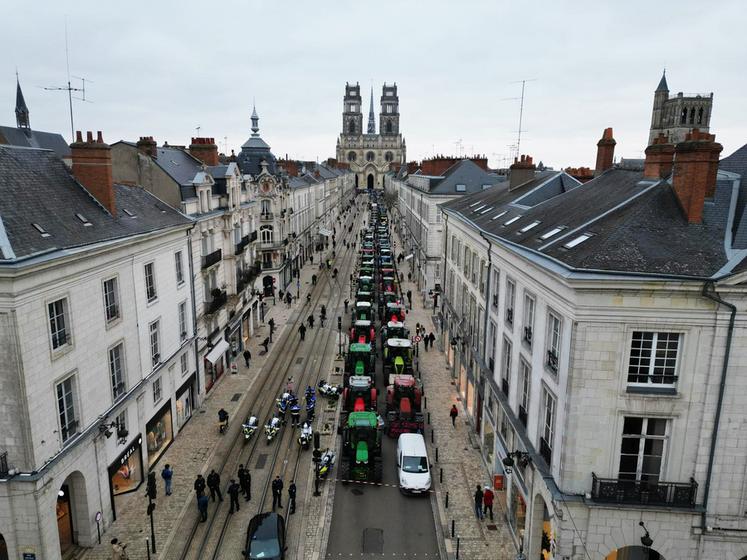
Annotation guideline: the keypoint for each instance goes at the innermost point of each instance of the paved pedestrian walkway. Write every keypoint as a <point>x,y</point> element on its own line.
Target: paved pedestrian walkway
<point>458,453</point>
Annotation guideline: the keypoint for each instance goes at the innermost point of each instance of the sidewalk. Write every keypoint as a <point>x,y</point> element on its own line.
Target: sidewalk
<point>460,459</point>
<point>194,447</point>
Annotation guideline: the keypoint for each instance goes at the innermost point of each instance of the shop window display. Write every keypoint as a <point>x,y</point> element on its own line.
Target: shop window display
<point>159,433</point>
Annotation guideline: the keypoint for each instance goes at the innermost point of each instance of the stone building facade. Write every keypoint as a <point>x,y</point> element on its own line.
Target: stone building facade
<point>370,155</point>
<point>596,334</point>
<point>676,115</point>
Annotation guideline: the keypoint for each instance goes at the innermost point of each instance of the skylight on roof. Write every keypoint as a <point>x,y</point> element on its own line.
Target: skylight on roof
<point>41,230</point>
<point>461,188</point>
<point>475,204</point>
<point>499,215</point>
<point>83,219</point>
<point>529,226</point>
<point>577,241</point>
<point>130,214</point>
<point>511,221</point>
<point>479,208</point>
<point>488,209</point>
<point>551,233</point>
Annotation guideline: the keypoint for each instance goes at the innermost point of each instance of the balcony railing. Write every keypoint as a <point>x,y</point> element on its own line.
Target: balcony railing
<point>552,360</point>
<point>270,245</point>
<point>266,216</point>
<point>253,236</point>
<point>510,316</point>
<point>528,334</point>
<point>545,451</point>
<point>219,300</point>
<point>647,493</point>
<point>211,259</point>
<point>241,245</point>
<point>523,415</point>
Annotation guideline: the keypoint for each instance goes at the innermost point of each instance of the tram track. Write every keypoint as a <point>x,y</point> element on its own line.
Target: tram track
<point>206,540</point>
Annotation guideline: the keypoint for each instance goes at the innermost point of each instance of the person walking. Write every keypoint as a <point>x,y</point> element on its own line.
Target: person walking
<point>292,498</point>
<point>311,321</point>
<point>478,502</point>
<point>271,323</point>
<point>288,298</point>
<point>202,507</point>
<point>167,474</point>
<point>247,356</point>
<point>213,482</point>
<point>308,298</point>
<point>346,302</point>
<point>453,413</point>
<point>431,339</point>
<point>265,344</point>
<point>233,492</point>
<point>277,493</point>
<point>313,278</point>
<point>118,550</point>
<point>302,331</point>
<point>487,501</point>
<point>199,486</point>
<point>245,481</point>
<point>409,299</point>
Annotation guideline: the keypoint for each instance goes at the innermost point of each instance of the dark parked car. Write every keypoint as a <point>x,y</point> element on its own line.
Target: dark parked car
<point>265,537</point>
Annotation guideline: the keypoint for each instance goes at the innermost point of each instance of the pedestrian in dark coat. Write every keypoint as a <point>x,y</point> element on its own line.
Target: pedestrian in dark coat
<point>247,356</point>
<point>233,492</point>
<point>346,302</point>
<point>288,298</point>
<point>202,507</point>
<point>431,339</point>
<point>167,474</point>
<point>302,331</point>
<point>277,493</point>
<point>409,298</point>
<point>311,321</point>
<point>266,343</point>
<point>453,413</point>
<point>245,481</point>
<point>478,502</point>
<point>292,498</point>
<point>213,482</point>
<point>199,486</point>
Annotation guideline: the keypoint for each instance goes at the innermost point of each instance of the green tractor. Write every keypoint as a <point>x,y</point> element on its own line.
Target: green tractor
<point>360,360</point>
<point>361,448</point>
<point>365,283</point>
<point>397,358</point>
<point>363,311</point>
<point>394,330</point>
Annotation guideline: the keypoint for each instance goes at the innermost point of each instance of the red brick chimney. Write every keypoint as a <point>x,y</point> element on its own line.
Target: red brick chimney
<point>522,171</point>
<point>605,152</point>
<point>205,150</point>
<point>659,158</point>
<point>92,167</point>
<point>695,168</point>
<point>148,146</point>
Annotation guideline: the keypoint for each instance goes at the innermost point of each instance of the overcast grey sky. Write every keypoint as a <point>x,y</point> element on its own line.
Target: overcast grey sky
<point>162,68</point>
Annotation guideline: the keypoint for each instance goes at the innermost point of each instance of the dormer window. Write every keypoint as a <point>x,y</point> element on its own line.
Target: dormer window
<point>41,230</point>
<point>83,219</point>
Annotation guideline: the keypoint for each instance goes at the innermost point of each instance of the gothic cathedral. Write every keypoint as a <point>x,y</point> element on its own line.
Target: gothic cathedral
<point>370,155</point>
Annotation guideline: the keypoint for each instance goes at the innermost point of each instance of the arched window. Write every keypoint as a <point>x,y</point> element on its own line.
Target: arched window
<point>389,156</point>
<point>692,115</point>
<point>700,115</point>
<point>351,156</point>
<point>351,127</point>
<point>370,156</point>
<point>265,234</point>
<point>389,127</point>
<point>683,116</point>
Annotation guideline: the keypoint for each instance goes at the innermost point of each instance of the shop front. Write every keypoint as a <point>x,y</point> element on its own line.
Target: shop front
<point>246,330</point>
<point>159,433</point>
<point>214,363</point>
<point>234,337</point>
<point>126,472</point>
<point>185,399</point>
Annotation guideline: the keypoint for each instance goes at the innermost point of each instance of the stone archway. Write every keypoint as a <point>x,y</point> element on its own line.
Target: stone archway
<point>370,181</point>
<point>540,529</point>
<point>634,553</point>
<point>3,548</point>
<point>71,510</point>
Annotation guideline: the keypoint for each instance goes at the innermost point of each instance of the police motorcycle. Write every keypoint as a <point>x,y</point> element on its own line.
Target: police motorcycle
<point>332,392</point>
<point>306,435</point>
<point>272,428</point>
<point>249,427</point>
<point>326,462</point>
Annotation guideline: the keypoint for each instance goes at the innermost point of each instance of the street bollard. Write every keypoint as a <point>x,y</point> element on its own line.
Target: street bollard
<point>147,547</point>
<point>446,505</point>
<point>425,402</point>
<point>453,527</point>
<point>457,550</point>
<point>441,476</point>
<point>429,417</point>
<point>436,451</point>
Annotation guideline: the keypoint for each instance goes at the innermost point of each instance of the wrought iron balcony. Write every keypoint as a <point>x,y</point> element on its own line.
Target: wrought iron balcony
<point>640,492</point>
<point>266,216</point>
<point>510,316</point>
<point>241,245</point>
<point>212,258</point>
<point>253,236</point>
<point>552,360</point>
<point>528,334</point>
<point>545,451</point>
<point>219,300</point>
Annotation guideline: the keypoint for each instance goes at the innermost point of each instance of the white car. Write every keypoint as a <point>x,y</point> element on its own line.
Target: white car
<point>413,467</point>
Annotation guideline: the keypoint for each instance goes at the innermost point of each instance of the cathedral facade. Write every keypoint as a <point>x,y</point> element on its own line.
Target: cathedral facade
<point>369,154</point>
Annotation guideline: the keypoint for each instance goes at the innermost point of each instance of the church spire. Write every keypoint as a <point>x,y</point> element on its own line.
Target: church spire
<point>371,117</point>
<point>663,82</point>
<point>255,121</point>
<point>22,112</point>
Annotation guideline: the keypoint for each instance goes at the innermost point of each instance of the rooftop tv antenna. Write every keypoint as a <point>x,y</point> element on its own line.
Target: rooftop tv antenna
<point>69,88</point>
<point>521,111</point>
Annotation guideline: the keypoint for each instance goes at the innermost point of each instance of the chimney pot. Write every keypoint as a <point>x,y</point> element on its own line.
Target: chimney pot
<point>78,136</point>
<point>99,137</point>
<point>92,167</point>
<point>695,169</point>
<point>605,152</point>
<point>89,137</point>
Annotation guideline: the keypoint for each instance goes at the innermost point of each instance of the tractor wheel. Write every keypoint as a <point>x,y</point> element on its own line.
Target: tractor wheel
<point>344,471</point>
<point>378,470</point>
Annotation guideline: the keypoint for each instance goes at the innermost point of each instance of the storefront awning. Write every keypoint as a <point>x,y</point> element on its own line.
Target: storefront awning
<point>217,351</point>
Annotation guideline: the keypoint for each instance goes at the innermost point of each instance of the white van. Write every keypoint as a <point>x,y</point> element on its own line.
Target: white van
<point>413,468</point>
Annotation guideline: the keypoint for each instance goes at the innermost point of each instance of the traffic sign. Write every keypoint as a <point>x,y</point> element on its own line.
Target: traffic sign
<point>417,339</point>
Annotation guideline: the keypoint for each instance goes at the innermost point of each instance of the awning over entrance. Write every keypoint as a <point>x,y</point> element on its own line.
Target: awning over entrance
<point>217,351</point>
<point>325,232</point>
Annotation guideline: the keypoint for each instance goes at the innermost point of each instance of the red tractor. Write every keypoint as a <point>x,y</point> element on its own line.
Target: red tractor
<point>404,420</point>
<point>403,387</point>
<point>363,332</point>
<point>359,395</point>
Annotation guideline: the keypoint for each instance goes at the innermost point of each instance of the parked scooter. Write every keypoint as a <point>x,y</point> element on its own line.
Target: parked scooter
<point>249,427</point>
<point>272,428</point>
<point>326,463</point>
<point>332,392</point>
<point>306,435</point>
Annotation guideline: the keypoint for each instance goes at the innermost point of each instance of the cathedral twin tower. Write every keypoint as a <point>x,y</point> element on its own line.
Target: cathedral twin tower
<point>370,155</point>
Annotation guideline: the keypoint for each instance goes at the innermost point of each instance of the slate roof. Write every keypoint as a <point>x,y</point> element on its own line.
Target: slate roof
<point>635,226</point>
<point>179,164</point>
<point>463,172</point>
<point>663,83</point>
<point>737,163</point>
<point>27,138</point>
<point>36,187</point>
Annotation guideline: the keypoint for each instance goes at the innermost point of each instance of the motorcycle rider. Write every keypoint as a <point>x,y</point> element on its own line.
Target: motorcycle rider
<point>306,435</point>
<point>249,426</point>
<point>272,427</point>
<point>283,406</point>
<point>222,420</point>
